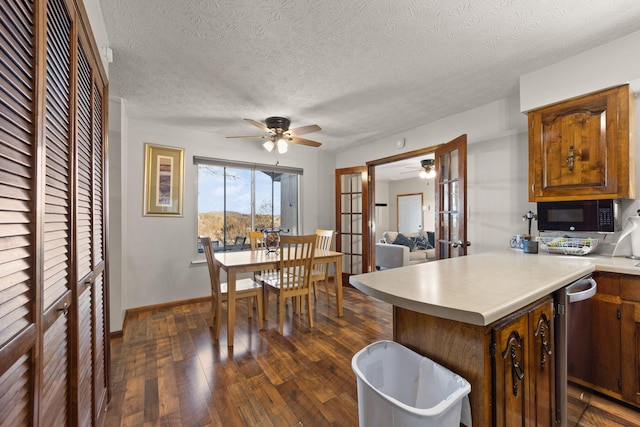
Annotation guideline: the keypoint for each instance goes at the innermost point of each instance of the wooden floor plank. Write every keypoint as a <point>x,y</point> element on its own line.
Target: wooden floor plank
<point>167,369</point>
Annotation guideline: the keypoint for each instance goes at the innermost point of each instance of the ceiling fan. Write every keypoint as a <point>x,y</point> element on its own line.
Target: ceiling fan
<point>427,169</point>
<point>279,134</point>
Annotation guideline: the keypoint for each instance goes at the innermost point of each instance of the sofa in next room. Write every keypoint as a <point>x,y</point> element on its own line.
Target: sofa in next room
<point>401,249</point>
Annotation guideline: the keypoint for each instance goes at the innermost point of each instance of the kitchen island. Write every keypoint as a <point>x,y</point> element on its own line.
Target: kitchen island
<point>486,317</point>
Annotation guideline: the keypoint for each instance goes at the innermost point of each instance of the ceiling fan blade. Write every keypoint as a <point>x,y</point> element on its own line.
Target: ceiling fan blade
<point>304,141</point>
<point>251,136</point>
<point>304,130</point>
<point>258,125</point>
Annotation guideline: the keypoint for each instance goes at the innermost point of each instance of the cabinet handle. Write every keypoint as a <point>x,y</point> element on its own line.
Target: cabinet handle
<point>517,372</point>
<point>570,158</point>
<point>544,325</point>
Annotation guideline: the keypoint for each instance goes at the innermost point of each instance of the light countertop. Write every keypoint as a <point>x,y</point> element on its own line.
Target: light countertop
<point>480,289</point>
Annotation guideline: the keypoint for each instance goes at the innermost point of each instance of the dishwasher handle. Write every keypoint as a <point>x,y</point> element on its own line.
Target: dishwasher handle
<point>581,290</point>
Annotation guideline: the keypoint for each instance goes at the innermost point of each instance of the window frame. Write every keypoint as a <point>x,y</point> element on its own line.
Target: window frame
<point>253,167</point>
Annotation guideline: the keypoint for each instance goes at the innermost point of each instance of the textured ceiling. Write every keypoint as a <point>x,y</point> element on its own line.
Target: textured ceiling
<point>361,69</point>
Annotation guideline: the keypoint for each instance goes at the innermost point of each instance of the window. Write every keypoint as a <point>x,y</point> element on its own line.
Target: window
<point>235,198</point>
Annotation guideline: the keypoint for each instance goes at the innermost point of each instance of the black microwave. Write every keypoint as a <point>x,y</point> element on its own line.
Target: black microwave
<point>579,215</point>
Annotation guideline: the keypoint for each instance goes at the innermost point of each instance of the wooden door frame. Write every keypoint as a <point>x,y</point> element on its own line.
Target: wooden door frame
<point>371,166</point>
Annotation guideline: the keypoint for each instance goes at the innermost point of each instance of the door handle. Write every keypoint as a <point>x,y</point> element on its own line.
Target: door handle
<point>460,243</point>
<point>64,309</point>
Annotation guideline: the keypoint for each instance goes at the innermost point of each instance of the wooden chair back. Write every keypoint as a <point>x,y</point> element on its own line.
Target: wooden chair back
<point>255,240</point>
<point>325,242</point>
<point>296,262</point>
<point>214,269</point>
<point>325,239</point>
<point>245,288</point>
<point>239,243</point>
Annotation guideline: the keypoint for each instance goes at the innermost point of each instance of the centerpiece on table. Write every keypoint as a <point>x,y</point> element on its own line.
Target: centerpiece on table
<point>272,239</point>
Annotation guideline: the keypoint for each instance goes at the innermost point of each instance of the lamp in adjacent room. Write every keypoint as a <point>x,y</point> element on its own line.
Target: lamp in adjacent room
<point>428,169</point>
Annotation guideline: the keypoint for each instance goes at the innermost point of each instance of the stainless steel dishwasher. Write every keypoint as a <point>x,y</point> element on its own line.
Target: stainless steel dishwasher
<point>573,316</point>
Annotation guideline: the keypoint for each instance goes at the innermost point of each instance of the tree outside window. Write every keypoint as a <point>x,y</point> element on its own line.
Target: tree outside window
<point>235,200</point>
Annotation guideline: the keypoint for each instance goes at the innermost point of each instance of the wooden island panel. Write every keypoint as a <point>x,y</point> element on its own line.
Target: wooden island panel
<point>461,347</point>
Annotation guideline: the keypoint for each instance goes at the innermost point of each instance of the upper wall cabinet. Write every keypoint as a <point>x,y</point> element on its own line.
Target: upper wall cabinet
<point>583,148</point>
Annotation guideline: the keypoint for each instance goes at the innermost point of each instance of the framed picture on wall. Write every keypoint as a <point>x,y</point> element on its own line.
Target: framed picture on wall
<point>163,180</point>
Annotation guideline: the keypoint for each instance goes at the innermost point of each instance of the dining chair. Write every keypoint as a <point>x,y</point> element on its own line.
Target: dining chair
<point>245,288</point>
<point>239,243</point>
<point>255,240</point>
<point>294,275</point>
<point>320,271</point>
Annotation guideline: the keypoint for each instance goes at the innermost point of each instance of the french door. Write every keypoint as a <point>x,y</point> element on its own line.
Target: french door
<point>451,199</point>
<point>352,220</point>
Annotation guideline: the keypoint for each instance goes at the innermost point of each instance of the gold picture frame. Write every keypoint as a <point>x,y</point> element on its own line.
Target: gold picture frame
<point>163,180</point>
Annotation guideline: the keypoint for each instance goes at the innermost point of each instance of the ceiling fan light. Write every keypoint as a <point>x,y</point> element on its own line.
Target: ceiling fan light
<point>282,146</point>
<point>423,174</point>
<point>431,174</point>
<point>269,145</point>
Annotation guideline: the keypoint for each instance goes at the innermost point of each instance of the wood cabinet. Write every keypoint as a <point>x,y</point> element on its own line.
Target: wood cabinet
<point>508,364</point>
<point>587,364</point>
<point>630,338</point>
<point>53,287</point>
<point>583,148</point>
<point>524,368</point>
<point>609,361</point>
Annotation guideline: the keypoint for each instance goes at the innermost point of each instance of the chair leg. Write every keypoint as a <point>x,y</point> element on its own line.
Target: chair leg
<point>265,303</point>
<point>326,289</point>
<point>315,293</point>
<point>250,307</point>
<point>212,316</point>
<point>281,314</point>
<point>259,304</point>
<point>309,310</point>
<point>217,321</point>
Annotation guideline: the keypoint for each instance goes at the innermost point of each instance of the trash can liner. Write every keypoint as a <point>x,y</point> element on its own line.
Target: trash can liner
<point>399,387</point>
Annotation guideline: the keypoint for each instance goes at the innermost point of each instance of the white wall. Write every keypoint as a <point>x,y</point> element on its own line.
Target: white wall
<point>412,186</point>
<point>609,65</point>
<point>159,251</point>
<point>496,173</point>
<point>382,213</point>
<point>99,29</point>
<point>117,209</point>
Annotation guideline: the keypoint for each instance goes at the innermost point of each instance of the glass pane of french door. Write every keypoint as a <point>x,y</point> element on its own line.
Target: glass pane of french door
<point>352,219</point>
<point>451,162</point>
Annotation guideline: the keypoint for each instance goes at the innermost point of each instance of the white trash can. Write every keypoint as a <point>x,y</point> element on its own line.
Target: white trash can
<point>398,387</point>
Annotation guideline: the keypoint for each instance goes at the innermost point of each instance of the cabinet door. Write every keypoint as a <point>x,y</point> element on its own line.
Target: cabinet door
<point>580,148</point>
<point>19,310</point>
<point>541,367</point>
<point>631,352</point>
<point>594,352</point>
<point>511,391</point>
<point>630,356</point>
<point>89,227</point>
<point>57,218</point>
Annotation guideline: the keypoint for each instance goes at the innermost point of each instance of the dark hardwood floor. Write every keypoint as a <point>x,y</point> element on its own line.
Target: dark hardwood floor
<point>168,371</point>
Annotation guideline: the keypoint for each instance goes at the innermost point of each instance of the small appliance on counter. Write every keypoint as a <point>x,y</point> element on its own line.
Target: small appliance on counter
<point>629,241</point>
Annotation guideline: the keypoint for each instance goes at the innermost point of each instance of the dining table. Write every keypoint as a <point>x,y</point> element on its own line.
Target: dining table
<point>234,262</point>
